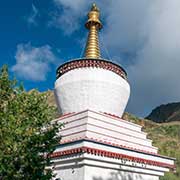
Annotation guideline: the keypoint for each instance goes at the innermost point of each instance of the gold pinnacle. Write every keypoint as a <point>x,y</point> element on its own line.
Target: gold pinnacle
<point>94,25</point>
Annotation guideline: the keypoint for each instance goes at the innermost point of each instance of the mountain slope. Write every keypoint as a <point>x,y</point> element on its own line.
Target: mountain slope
<point>165,113</point>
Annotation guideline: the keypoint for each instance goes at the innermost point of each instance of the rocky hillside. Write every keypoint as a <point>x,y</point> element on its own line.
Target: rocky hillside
<point>165,113</point>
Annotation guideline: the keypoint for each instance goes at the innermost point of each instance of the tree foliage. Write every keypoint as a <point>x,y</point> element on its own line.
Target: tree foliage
<point>27,135</point>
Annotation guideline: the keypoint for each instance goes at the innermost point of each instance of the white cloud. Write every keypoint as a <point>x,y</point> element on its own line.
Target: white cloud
<point>147,33</point>
<point>69,14</point>
<point>31,19</point>
<point>155,76</point>
<point>33,63</point>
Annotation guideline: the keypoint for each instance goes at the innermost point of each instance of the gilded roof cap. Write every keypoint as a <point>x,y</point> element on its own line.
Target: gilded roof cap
<point>94,25</point>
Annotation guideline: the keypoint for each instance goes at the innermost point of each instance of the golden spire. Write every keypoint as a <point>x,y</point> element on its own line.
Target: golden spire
<point>94,25</point>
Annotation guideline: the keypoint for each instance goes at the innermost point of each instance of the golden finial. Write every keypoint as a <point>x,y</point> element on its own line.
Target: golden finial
<point>94,25</point>
<point>94,7</point>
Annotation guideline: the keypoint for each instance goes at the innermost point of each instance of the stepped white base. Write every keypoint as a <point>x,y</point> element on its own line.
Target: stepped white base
<point>90,168</point>
<point>95,146</point>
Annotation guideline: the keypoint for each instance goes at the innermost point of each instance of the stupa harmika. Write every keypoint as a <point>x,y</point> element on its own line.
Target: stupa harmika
<point>96,143</point>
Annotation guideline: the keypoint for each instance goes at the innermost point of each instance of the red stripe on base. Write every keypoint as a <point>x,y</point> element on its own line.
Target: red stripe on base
<point>110,155</point>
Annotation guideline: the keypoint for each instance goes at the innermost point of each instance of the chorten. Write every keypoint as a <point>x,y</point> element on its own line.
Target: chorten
<point>97,144</point>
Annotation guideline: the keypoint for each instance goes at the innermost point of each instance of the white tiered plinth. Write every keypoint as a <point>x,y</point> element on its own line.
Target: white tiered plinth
<point>97,146</point>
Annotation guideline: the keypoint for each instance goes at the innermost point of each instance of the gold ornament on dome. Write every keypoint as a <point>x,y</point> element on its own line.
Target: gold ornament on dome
<point>94,25</point>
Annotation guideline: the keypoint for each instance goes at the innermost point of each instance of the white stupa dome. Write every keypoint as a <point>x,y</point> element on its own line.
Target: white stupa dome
<point>92,82</point>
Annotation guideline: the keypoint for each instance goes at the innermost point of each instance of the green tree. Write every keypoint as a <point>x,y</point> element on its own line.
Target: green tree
<point>27,135</point>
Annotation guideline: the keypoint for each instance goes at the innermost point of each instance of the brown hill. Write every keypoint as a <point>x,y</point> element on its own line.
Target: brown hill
<point>165,113</point>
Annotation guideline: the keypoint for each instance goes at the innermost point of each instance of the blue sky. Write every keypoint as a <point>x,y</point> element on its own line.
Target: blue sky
<point>143,36</point>
<point>20,25</point>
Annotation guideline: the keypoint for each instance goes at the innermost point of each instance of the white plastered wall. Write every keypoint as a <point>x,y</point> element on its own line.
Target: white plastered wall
<point>92,88</point>
<point>98,173</point>
<point>87,167</point>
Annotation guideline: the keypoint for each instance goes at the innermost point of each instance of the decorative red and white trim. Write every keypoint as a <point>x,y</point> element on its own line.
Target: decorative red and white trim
<point>95,63</point>
<point>109,154</point>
